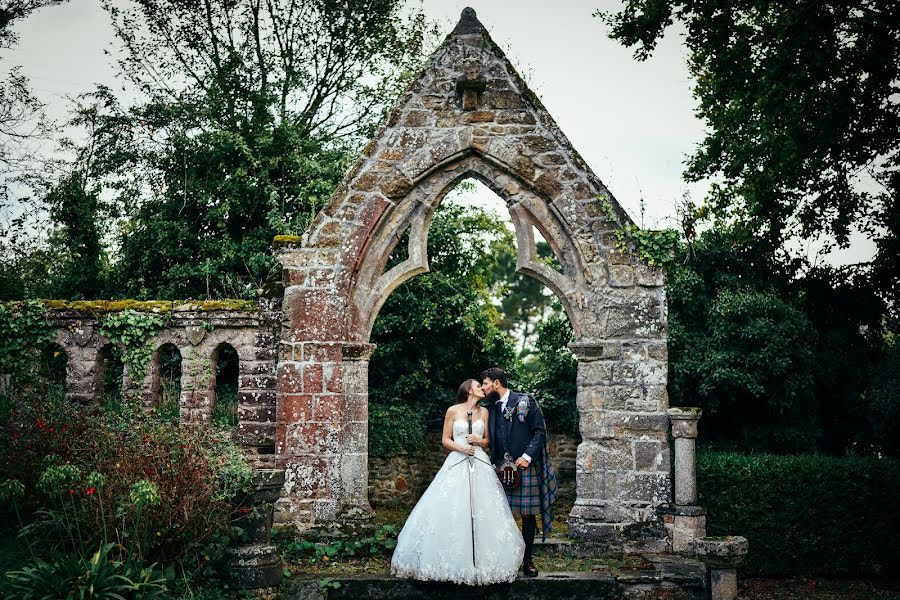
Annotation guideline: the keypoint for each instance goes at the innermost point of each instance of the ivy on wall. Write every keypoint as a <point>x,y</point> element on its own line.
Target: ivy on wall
<point>24,333</point>
<point>654,247</point>
<point>132,331</point>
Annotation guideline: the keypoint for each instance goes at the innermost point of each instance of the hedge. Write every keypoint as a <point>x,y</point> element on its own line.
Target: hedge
<point>805,515</point>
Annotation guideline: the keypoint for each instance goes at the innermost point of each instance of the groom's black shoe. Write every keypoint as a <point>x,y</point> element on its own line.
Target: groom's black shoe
<point>530,569</point>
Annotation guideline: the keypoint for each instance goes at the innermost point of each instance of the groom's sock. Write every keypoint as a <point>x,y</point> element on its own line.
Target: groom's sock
<point>529,527</point>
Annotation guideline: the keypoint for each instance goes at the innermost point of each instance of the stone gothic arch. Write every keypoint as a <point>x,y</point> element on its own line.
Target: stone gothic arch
<point>469,114</point>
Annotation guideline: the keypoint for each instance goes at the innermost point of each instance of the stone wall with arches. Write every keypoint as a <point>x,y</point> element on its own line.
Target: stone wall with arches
<point>197,333</point>
<point>468,114</point>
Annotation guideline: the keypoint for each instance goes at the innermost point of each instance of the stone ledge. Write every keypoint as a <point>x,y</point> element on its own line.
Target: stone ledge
<point>681,510</point>
<point>560,586</point>
<point>151,306</point>
<point>665,577</point>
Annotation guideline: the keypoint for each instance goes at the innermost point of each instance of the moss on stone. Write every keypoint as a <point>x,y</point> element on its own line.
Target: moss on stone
<point>286,240</point>
<point>151,306</point>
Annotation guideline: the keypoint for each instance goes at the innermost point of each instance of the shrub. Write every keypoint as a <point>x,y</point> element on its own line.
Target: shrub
<point>72,576</point>
<point>805,515</point>
<point>160,491</point>
<point>395,428</point>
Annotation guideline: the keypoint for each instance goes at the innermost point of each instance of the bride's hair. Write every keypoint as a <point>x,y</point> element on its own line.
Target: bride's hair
<point>463,394</point>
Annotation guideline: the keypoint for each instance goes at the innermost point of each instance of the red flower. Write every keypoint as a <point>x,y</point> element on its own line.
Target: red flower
<point>90,491</point>
<point>71,492</point>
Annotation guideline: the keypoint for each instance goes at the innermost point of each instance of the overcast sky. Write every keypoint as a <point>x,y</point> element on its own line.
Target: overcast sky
<point>633,122</point>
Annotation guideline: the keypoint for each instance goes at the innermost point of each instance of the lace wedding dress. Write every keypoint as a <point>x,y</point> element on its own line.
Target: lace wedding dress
<point>436,541</point>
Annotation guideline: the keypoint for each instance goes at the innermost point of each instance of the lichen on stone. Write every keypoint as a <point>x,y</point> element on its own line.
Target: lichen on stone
<point>150,306</point>
<point>286,240</point>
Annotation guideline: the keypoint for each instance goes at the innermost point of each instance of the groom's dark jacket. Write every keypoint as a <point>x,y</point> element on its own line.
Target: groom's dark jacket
<point>515,437</point>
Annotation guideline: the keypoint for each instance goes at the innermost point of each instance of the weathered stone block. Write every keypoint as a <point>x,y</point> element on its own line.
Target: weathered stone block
<point>594,372</point>
<point>653,488</point>
<point>256,434</point>
<point>290,378</point>
<point>312,438</point>
<point>294,408</point>
<point>515,118</point>
<point>419,118</point>
<point>647,455</point>
<point>251,412</point>
<point>479,116</point>
<point>312,378</point>
<point>328,407</point>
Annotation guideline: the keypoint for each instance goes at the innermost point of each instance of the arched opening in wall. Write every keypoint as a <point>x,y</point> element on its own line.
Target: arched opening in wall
<point>471,311</point>
<point>167,386</point>
<point>225,385</point>
<point>110,370</point>
<point>54,360</point>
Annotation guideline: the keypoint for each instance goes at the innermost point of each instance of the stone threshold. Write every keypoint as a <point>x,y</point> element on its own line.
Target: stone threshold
<point>671,577</point>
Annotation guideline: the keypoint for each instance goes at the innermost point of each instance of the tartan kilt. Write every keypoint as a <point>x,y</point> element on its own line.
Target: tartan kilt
<point>526,498</point>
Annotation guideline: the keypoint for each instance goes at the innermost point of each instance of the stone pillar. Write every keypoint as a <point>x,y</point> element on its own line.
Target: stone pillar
<point>196,395</point>
<point>622,466</point>
<point>684,431</point>
<point>685,521</point>
<point>722,555</point>
<point>255,563</point>
<point>84,381</point>
<point>355,447</point>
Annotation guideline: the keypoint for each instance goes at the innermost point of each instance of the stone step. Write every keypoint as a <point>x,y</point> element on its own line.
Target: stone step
<point>671,577</point>
<point>558,586</point>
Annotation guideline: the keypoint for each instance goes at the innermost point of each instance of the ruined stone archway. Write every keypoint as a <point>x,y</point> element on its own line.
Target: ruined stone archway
<point>469,114</point>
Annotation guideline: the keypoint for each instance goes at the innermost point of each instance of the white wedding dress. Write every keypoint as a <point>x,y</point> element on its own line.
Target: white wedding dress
<point>436,541</point>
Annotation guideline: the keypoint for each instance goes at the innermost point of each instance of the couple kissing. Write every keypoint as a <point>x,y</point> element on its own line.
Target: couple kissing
<point>463,528</point>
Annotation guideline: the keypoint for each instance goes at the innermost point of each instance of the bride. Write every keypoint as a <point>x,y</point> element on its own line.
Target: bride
<point>436,543</point>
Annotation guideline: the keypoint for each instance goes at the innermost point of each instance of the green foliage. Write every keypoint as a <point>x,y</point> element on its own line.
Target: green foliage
<point>132,331</point>
<point>799,102</point>
<point>72,576</point>
<point>394,428</point>
<point>160,492</point>
<point>654,247</point>
<point>381,542</point>
<point>226,401</point>
<point>450,304</point>
<point>553,384</point>
<point>811,516</point>
<point>24,332</point>
<point>881,403</point>
<point>523,300</point>
<point>75,207</point>
<point>780,360</point>
<point>249,116</point>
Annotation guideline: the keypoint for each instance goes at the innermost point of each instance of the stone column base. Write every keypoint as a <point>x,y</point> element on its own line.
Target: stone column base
<point>684,525</point>
<point>618,528</point>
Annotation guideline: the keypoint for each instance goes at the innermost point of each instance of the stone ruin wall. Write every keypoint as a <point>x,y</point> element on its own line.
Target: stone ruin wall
<point>468,114</point>
<point>402,478</point>
<point>196,329</point>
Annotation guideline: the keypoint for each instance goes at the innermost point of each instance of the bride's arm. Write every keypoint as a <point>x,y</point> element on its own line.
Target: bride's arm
<point>447,436</point>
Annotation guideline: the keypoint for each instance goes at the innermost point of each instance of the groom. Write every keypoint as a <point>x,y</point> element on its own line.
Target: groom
<point>524,439</point>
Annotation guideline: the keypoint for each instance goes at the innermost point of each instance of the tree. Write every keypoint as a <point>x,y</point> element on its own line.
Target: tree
<point>20,111</point>
<point>79,272</point>
<point>523,301</point>
<point>23,262</point>
<point>249,114</point>
<point>800,102</point>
